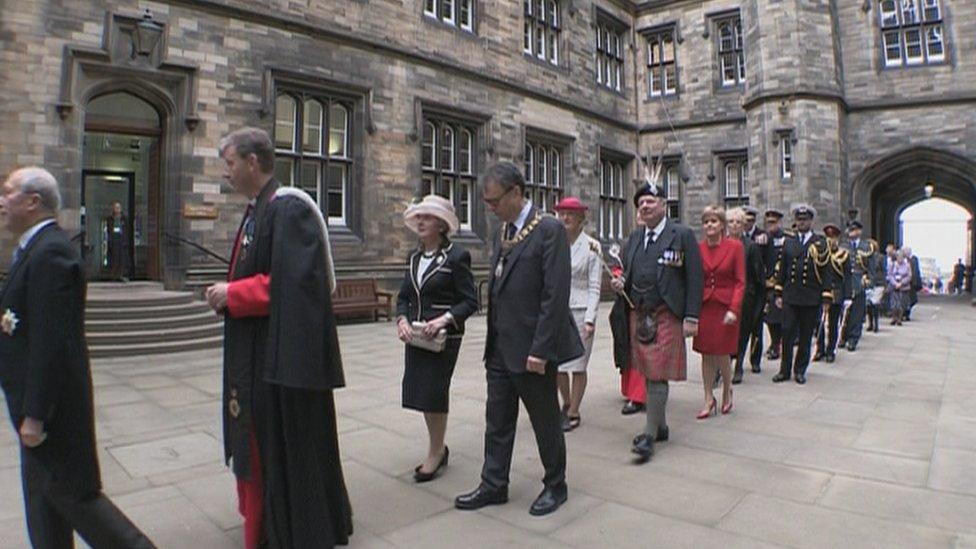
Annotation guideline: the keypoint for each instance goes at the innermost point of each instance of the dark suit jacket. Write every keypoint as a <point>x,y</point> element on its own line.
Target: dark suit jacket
<point>446,286</point>
<point>44,367</point>
<point>528,305</point>
<point>680,286</point>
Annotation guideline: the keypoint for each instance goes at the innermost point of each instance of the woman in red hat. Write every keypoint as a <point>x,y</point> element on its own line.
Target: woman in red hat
<point>584,299</point>
<point>723,263</point>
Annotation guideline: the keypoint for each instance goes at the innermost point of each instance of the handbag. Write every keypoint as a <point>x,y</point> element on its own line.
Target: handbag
<point>419,340</point>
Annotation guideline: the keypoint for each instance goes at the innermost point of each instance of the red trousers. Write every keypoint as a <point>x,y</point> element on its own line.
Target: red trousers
<point>632,385</point>
<point>250,499</point>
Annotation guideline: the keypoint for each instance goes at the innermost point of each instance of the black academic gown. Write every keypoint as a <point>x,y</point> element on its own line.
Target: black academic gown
<point>280,371</point>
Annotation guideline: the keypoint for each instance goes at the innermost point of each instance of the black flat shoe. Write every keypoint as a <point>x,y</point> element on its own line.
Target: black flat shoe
<point>757,369</point>
<point>780,378</point>
<point>643,447</point>
<point>737,377</point>
<point>852,346</point>
<point>480,497</point>
<point>801,379</point>
<point>548,501</point>
<point>829,359</point>
<point>631,407</point>
<point>419,476</point>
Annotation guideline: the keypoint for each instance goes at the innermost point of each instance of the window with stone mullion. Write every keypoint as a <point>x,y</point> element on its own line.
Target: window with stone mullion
<point>662,64</point>
<point>459,13</point>
<point>447,160</point>
<point>542,29</point>
<point>312,149</point>
<point>911,32</point>
<point>732,62</point>
<point>612,200</point>
<point>735,181</point>
<point>609,57</point>
<point>543,174</point>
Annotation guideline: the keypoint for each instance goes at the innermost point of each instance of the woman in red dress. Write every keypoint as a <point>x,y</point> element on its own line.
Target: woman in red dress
<point>724,266</point>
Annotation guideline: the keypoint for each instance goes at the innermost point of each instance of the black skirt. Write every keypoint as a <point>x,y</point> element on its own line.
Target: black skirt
<point>427,377</point>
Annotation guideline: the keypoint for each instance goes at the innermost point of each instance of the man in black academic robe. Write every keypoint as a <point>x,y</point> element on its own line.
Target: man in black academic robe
<point>281,359</point>
<point>46,377</point>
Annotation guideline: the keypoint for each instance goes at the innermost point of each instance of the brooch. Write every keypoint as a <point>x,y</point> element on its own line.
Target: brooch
<point>8,322</point>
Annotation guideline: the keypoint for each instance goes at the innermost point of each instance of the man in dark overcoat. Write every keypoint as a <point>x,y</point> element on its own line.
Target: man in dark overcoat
<point>281,359</point>
<point>761,239</point>
<point>46,377</point>
<point>530,332</point>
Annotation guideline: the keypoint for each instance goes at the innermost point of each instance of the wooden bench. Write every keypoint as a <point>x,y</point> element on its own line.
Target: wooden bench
<point>360,296</point>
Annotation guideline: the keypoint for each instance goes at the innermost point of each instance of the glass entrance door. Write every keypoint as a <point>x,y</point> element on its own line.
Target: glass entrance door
<point>107,218</point>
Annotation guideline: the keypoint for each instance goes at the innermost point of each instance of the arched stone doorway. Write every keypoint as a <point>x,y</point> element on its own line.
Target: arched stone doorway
<point>120,207</point>
<point>894,183</point>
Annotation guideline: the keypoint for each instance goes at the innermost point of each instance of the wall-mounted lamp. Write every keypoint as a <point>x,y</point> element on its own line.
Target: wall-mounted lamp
<point>929,189</point>
<point>147,35</point>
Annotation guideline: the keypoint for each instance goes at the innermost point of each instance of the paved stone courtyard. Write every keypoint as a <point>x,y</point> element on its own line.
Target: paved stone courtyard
<point>877,450</point>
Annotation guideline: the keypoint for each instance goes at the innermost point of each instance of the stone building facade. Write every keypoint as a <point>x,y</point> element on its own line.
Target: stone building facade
<point>375,102</point>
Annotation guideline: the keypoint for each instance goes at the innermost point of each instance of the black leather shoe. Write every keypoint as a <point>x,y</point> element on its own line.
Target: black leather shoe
<point>631,407</point>
<point>420,476</point>
<point>829,359</point>
<point>548,501</point>
<point>643,447</point>
<point>780,378</point>
<point>662,434</point>
<point>756,369</point>
<point>773,355</point>
<point>480,497</point>
<point>801,379</point>
<point>737,377</point>
<point>852,346</point>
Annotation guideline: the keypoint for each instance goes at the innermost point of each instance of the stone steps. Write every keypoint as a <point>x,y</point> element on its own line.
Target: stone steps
<point>141,319</point>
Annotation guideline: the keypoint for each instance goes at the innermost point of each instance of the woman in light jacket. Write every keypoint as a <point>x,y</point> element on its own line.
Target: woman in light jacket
<point>438,290</point>
<point>899,286</point>
<point>584,299</point>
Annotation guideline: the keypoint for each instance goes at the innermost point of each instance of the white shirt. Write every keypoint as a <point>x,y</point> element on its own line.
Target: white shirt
<point>29,233</point>
<point>422,266</point>
<point>656,231</point>
<point>804,237</point>
<point>523,215</point>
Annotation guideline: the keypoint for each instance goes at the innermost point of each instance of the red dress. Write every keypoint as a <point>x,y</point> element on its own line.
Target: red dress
<point>724,269</point>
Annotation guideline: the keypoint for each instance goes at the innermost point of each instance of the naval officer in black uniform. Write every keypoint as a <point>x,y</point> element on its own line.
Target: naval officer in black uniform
<point>802,290</point>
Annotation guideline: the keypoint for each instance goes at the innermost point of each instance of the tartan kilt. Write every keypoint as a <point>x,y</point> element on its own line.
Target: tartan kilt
<point>666,358</point>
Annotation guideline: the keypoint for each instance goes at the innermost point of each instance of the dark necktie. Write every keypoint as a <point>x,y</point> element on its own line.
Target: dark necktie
<point>510,231</point>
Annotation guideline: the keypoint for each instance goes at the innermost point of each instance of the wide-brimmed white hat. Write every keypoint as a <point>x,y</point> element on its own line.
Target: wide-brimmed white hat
<point>436,206</point>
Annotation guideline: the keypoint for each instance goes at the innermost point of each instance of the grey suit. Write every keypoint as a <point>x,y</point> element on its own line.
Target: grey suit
<point>528,315</point>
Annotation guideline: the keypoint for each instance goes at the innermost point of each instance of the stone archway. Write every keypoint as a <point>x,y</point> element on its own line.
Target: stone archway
<point>889,186</point>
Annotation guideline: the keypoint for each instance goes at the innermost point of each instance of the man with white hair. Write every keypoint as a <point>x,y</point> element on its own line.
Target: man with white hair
<point>46,377</point>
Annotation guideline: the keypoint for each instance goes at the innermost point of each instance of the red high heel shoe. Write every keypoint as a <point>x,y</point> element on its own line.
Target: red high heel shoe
<point>703,414</point>
<point>727,407</point>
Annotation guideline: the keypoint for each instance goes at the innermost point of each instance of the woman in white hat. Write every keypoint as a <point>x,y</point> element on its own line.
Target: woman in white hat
<point>438,292</point>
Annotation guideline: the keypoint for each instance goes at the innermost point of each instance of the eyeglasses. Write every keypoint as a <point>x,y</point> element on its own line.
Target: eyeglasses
<point>496,200</point>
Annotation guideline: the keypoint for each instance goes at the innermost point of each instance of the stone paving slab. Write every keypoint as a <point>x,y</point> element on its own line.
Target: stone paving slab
<point>875,451</point>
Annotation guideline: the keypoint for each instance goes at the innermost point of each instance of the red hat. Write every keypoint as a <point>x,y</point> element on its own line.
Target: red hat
<point>570,204</point>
